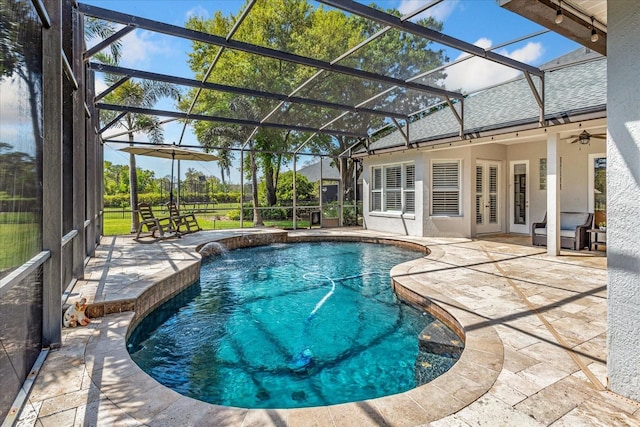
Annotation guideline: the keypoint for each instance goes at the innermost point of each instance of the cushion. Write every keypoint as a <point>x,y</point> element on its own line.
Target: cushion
<point>563,233</point>
<point>569,221</point>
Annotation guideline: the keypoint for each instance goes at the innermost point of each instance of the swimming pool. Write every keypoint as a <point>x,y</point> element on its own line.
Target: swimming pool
<point>289,325</point>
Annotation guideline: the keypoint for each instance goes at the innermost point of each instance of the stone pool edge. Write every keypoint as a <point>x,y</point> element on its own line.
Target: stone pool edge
<point>470,378</point>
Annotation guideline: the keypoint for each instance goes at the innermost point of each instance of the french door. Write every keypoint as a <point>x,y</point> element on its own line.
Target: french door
<point>519,200</point>
<point>488,197</point>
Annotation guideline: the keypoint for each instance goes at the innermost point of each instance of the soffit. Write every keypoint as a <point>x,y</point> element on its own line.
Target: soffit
<point>580,18</point>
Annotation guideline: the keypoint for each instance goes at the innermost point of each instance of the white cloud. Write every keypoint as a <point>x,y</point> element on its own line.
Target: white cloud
<point>529,53</point>
<point>16,125</point>
<point>439,12</point>
<point>13,99</point>
<point>100,85</point>
<point>197,11</point>
<point>141,48</point>
<point>476,73</point>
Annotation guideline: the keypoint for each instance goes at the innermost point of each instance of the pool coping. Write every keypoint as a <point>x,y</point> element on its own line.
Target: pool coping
<point>470,377</point>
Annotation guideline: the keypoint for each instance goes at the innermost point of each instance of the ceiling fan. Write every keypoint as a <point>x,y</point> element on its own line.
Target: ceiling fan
<point>585,137</point>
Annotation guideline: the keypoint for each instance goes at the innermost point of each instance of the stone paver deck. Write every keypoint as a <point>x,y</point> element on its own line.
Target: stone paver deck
<point>535,342</point>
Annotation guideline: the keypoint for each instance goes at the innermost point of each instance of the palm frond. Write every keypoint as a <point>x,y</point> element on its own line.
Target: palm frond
<point>98,29</point>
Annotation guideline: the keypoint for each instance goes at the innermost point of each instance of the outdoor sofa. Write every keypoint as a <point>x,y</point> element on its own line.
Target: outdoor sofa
<point>574,228</point>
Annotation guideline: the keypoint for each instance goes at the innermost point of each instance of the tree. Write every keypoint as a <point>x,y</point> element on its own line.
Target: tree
<point>304,188</point>
<point>395,54</point>
<point>294,26</point>
<point>144,94</point>
<point>146,181</point>
<point>98,29</point>
<point>194,181</point>
<point>19,26</point>
<point>278,24</point>
<point>17,173</point>
<point>116,178</point>
<point>239,135</point>
<point>132,93</point>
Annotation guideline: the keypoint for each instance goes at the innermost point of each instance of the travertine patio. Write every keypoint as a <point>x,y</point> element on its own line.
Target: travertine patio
<point>535,348</point>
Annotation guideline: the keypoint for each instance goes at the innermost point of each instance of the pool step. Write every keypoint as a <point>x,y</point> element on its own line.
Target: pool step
<point>437,338</point>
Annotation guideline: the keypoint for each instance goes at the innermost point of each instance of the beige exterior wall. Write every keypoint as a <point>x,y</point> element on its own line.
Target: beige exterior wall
<point>623,192</point>
<point>406,224</point>
<point>574,194</point>
<point>459,226</point>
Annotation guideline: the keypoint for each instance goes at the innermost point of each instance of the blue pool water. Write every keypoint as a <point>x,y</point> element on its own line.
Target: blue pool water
<point>286,326</point>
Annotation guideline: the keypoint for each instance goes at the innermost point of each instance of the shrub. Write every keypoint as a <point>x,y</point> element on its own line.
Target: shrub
<point>274,214</point>
<point>234,214</point>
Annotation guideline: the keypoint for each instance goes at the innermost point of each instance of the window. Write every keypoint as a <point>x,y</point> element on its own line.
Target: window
<point>445,188</point>
<point>410,189</point>
<point>376,189</point>
<point>543,174</point>
<point>393,188</point>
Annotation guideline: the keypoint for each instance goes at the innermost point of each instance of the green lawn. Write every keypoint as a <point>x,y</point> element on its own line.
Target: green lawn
<point>18,243</point>
<point>114,225</point>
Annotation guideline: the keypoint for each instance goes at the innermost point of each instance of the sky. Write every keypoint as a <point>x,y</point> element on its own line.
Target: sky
<point>480,22</point>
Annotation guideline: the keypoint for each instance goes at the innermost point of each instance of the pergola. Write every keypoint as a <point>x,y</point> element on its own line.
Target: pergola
<point>311,107</point>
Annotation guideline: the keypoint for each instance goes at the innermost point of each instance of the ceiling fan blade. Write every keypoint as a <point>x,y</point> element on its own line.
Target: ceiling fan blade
<point>599,135</point>
<point>569,137</point>
<point>574,140</point>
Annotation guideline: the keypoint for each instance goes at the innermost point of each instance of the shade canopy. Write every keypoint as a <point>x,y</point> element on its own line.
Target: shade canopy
<point>170,152</point>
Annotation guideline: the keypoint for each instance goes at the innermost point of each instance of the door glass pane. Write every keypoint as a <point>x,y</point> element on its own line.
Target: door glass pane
<point>600,191</point>
<point>520,194</point>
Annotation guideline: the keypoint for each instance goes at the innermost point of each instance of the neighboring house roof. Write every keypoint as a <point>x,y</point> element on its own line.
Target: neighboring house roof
<point>312,171</point>
<point>574,84</point>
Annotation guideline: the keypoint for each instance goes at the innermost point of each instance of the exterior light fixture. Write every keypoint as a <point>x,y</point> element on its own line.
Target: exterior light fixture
<point>584,138</point>
<point>559,15</point>
<point>594,34</point>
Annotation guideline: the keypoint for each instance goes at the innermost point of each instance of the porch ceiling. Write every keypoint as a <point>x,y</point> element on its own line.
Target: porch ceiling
<point>580,18</point>
<point>315,106</point>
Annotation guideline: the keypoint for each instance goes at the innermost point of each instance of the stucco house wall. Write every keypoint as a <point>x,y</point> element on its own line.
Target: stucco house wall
<point>451,226</point>
<point>407,224</point>
<point>574,193</point>
<point>623,191</point>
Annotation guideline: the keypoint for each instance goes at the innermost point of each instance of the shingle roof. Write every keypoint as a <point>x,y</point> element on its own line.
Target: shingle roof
<point>312,171</point>
<point>569,90</point>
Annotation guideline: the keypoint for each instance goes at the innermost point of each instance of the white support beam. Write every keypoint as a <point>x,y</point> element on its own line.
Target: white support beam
<point>553,195</point>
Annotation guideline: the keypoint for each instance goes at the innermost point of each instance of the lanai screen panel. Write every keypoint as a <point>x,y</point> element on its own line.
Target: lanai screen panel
<point>356,61</point>
<point>21,202</point>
